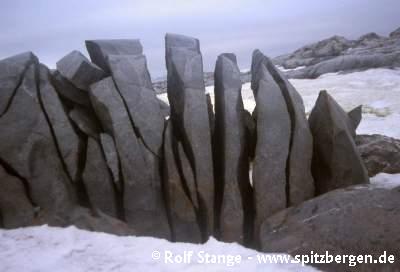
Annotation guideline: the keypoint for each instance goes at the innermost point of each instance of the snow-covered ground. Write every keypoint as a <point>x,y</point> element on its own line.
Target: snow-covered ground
<point>378,90</point>
<point>48,249</point>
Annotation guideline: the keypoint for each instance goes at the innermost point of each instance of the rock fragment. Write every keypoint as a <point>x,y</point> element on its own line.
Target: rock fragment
<point>79,70</point>
<point>99,50</point>
<point>336,160</point>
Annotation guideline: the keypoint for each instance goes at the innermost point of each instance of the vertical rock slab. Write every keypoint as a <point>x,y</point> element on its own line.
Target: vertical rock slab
<point>231,151</point>
<point>100,49</point>
<point>28,147</point>
<point>336,161</point>
<point>272,149</point>
<point>67,141</point>
<point>12,71</point>
<point>300,181</point>
<point>112,159</point>
<point>182,214</point>
<point>143,202</point>
<point>79,70</point>
<point>134,84</point>
<point>68,91</point>
<point>98,181</point>
<point>189,114</point>
<point>16,210</point>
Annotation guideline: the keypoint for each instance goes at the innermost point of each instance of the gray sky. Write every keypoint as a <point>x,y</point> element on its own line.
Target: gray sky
<point>53,28</point>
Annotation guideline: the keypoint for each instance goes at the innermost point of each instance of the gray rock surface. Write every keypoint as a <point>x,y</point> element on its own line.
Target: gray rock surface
<point>381,154</point>
<point>272,148</point>
<point>112,158</point>
<point>99,50</point>
<point>189,114</point>
<point>28,147</point>
<point>232,152</point>
<point>355,116</point>
<point>79,70</point>
<point>182,214</point>
<point>68,91</point>
<point>12,71</point>
<point>143,203</point>
<point>67,141</point>
<point>340,54</point>
<point>134,84</point>
<point>357,220</point>
<point>336,160</point>
<point>86,121</point>
<point>300,186</point>
<point>188,175</point>
<point>16,210</point>
<point>98,180</point>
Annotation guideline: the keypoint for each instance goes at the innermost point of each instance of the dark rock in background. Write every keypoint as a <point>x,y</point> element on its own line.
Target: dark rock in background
<point>16,210</point>
<point>98,180</point>
<point>336,160</point>
<point>360,220</point>
<point>79,70</point>
<point>99,50</point>
<point>182,215</point>
<point>340,54</point>
<point>189,114</point>
<point>381,154</point>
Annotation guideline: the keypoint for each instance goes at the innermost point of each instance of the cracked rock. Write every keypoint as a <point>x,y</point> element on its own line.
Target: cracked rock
<point>79,70</point>
<point>143,202</point>
<point>336,160</point>
<point>189,114</point>
<point>99,50</point>
<point>98,180</point>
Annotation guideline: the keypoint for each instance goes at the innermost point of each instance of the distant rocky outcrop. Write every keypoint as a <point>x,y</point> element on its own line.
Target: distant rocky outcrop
<point>91,145</point>
<point>338,54</point>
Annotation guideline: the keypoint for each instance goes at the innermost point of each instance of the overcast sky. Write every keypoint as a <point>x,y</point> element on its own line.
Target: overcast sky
<point>53,28</point>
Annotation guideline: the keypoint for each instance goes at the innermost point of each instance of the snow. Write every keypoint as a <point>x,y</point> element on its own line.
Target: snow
<point>49,249</point>
<point>386,181</point>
